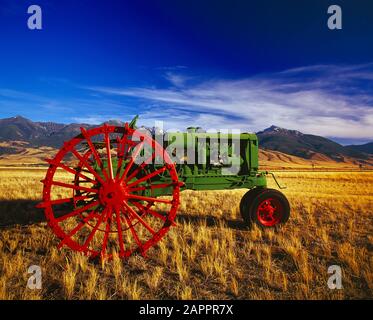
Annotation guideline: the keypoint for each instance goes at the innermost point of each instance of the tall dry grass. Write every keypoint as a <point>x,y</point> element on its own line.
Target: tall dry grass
<point>210,254</point>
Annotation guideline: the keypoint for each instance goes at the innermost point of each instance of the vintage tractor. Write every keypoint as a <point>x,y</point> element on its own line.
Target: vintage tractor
<point>115,189</point>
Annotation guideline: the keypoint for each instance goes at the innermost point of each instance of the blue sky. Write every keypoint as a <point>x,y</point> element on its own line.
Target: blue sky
<point>217,64</point>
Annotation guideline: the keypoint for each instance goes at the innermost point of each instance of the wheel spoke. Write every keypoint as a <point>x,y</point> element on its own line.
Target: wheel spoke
<point>130,163</point>
<point>149,199</point>
<point>94,150</point>
<point>107,231</point>
<point>73,186</point>
<point>91,235</point>
<point>61,201</point>
<point>77,228</point>
<point>148,210</point>
<point>134,213</point>
<point>133,231</point>
<point>73,171</point>
<point>149,176</point>
<point>121,150</point>
<point>88,166</point>
<point>119,227</point>
<point>154,186</point>
<point>141,167</point>
<point>77,211</point>
<point>108,151</point>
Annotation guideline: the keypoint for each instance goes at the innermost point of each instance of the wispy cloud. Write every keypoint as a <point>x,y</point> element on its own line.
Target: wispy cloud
<point>328,100</point>
<point>178,80</point>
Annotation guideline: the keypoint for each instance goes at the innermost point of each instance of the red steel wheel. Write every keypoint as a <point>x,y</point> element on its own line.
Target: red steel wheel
<point>114,208</point>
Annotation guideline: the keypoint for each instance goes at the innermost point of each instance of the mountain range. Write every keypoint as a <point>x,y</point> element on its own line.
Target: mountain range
<point>367,147</point>
<point>308,146</point>
<point>19,132</point>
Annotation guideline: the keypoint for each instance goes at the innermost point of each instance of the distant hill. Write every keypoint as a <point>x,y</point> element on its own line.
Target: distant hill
<point>41,133</point>
<point>19,153</point>
<point>21,136</point>
<point>305,146</point>
<point>367,148</point>
<point>276,160</point>
<point>19,128</point>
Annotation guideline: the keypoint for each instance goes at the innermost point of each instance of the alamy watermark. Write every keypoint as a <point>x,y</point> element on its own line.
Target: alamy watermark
<point>35,280</point>
<point>34,21</point>
<point>335,280</point>
<point>335,20</point>
<point>212,148</point>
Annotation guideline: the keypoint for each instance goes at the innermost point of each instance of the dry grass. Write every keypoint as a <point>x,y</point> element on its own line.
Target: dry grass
<point>209,255</point>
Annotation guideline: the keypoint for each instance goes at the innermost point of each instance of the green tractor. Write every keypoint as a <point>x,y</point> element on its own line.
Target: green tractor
<point>116,189</point>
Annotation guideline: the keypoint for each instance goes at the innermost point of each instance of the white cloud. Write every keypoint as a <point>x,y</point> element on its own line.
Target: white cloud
<point>324,100</point>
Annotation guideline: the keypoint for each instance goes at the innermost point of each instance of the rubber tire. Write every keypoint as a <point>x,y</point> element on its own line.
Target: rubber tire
<point>251,200</point>
<point>245,203</point>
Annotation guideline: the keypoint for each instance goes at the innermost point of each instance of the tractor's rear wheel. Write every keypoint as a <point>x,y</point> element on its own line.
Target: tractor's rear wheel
<point>267,208</point>
<point>246,200</point>
<point>99,191</point>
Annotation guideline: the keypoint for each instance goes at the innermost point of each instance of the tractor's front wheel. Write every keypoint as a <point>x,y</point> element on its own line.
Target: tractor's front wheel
<point>268,208</point>
<point>102,191</point>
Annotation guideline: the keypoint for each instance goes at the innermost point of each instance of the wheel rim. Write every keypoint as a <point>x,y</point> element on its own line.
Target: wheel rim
<point>112,208</point>
<point>270,212</point>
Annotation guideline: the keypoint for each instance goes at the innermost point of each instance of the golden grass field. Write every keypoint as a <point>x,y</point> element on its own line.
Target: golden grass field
<point>210,254</point>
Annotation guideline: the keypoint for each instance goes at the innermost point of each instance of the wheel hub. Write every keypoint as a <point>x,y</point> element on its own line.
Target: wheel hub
<point>268,209</point>
<point>269,212</point>
<point>112,194</point>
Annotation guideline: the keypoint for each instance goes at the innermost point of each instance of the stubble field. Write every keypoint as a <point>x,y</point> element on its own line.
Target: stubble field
<point>210,254</point>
